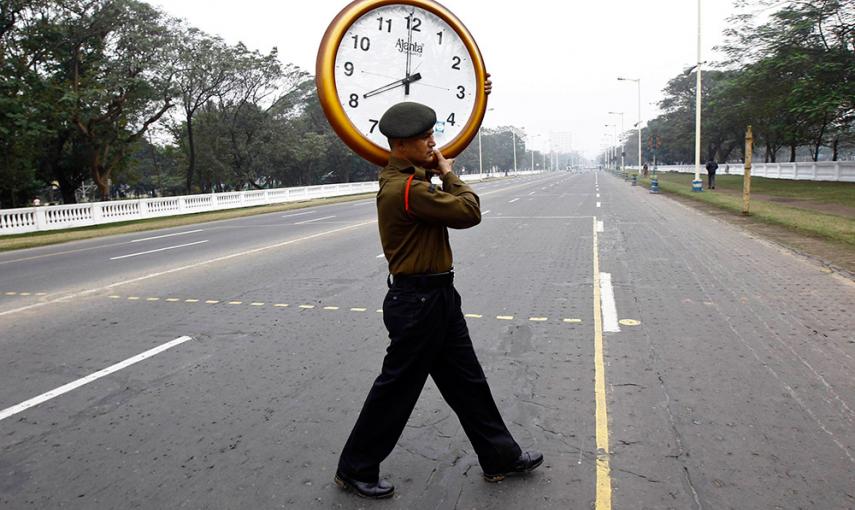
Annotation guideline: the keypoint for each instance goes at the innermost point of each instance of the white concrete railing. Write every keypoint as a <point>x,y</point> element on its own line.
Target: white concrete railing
<point>57,217</point>
<point>841,171</point>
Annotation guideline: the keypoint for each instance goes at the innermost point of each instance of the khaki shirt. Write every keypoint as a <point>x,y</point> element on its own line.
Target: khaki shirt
<point>414,224</point>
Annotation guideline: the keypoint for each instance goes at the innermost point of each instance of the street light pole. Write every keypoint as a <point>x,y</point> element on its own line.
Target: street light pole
<point>622,142</point>
<point>697,185</point>
<point>514,139</point>
<point>638,126</point>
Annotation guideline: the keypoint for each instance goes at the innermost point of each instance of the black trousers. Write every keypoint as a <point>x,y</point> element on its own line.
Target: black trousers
<point>711,180</point>
<point>428,336</point>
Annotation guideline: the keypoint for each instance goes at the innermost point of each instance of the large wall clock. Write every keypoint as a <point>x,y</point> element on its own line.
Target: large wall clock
<point>377,53</point>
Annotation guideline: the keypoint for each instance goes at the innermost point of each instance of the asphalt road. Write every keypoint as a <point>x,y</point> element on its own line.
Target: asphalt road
<point>728,385</point>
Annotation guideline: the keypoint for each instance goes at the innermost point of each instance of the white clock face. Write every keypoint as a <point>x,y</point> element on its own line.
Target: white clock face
<point>401,53</point>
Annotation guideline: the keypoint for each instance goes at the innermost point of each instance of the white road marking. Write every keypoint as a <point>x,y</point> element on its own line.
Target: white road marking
<point>598,195</point>
<point>485,212</point>
<point>598,204</point>
<point>314,219</point>
<point>44,397</point>
<point>533,192</point>
<point>157,250</point>
<point>168,235</point>
<point>299,214</point>
<point>600,227</point>
<point>381,255</point>
<point>607,303</point>
<point>514,200</point>
<point>111,286</point>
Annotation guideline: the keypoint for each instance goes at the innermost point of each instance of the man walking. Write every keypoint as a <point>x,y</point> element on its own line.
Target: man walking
<point>712,166</point>
<point>422,313</point>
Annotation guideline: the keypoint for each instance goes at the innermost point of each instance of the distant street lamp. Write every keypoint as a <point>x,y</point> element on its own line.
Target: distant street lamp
<point>622,143</point>
<point>614,140</point>
<point>637,82</point>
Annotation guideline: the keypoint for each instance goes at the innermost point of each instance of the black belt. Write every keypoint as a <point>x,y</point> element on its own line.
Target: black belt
<point>421,281</point>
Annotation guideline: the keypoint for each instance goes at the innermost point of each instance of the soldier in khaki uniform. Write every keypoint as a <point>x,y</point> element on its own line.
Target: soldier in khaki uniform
<point>422,313</point>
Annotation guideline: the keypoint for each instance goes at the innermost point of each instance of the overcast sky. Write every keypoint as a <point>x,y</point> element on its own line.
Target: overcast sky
<point>554,63</point>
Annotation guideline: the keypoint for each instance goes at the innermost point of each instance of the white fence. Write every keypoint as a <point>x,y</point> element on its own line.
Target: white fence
<point>57,217</point>
<point>842,171</point>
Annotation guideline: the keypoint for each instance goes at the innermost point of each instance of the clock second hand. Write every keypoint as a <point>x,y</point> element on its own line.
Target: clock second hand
<point>395,84</point>
<point>409,50</point>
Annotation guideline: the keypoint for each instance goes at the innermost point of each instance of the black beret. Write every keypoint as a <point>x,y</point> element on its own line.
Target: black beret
<point>407,120</point>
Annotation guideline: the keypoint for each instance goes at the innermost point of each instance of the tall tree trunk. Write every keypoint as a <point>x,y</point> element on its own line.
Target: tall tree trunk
<point>191,145</point>
<point>834,146</point>
<point>768,153</point>
<point>792,152</point>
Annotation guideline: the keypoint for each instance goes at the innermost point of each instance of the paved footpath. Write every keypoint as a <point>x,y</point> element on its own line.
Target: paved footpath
<point>658,357</point>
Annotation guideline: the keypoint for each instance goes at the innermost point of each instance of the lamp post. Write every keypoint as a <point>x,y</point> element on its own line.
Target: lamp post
<point>622,142</point>
<point>697,185</point>
<point>638,83</point>
<point>614,139</point>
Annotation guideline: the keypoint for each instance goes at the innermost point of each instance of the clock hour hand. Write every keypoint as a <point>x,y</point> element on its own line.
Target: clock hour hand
<point>395,84</point>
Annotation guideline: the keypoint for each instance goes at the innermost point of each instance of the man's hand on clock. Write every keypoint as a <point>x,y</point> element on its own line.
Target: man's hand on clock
<point>395,84</point>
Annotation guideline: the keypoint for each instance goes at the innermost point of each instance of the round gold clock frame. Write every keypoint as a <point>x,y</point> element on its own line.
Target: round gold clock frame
<point>328,94</point>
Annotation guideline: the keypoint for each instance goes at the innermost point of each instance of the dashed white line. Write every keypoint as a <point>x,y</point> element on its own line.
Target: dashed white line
<point>157,250</point>
<point>381,256</point>
<point>44,397</point>
<point>512,201</point>
<point>598,204</point>
<point>600,226</point>
<point>167,235</point>
<point>485,212</point>
<point>299,214</point>
<point>610,322</point>
<point>313,220</point>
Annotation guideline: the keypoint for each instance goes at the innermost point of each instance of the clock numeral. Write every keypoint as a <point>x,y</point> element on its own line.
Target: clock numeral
<point>354,100</point>
<point>439,34</point>
<point>388,24</point>
<point>456,64</point>
<point>461,92</point>
<point>416,23</point>
<point>450,119</point>
<point>362,43</point>
<point>348,68</point>
<point>373,124</point>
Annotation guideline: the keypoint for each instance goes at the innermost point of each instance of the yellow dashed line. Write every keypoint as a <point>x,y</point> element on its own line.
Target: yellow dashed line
<point>473,316</point>
<point>212,301</point>
<point>358,309</point>
<point>330,308</point>
<point>235,302</point>
<point>573,321</point>
<point>25,293</point>
<point>133,298</point>
<point>256,304</point>
<point>505,317</point>
<point>115,297</point>
<point>191,300</point>
<point>281,305</point>
<point>172,299</point>
<point>152,299</point>
<point>307,307</point>
<point>629,322</point>
<point>538,319</point>
<point>11,293</point>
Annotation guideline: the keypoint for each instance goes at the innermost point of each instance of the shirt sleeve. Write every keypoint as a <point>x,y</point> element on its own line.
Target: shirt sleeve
<point>454,206</point>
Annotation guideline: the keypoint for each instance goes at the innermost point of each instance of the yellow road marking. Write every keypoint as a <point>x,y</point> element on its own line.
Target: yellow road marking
<point>133,298</point>
<point>505,317</point>
<point>172,299</point>
<point>629,322</point>
<point>281,305</point>
<point>25,293</point>
<point>473,316</point>
<point>330,308</point>
<point>604,481</point>
<point>235,302</point>
<point>538,319</point>
<point>256,304</point>
<point>11,293</point>
<point>115,297</point>
<point>359,309</point>
<point>307,306</point>
<point>212,301</point>
<point>152,299</point>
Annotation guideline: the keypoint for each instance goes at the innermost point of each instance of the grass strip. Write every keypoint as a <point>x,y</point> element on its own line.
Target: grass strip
<point>827,226</point>
<point>44,238</point>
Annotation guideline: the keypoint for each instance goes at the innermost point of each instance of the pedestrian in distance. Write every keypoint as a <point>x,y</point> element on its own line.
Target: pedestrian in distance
<point>421,311</point>
<point>712,166</point>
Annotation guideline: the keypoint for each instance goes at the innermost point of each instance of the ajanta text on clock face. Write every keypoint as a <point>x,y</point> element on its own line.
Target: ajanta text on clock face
<point>402,53</point>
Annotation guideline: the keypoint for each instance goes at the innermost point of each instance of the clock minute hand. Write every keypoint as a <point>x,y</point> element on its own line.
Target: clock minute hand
<point>409,50</point>
<point>395,84</point>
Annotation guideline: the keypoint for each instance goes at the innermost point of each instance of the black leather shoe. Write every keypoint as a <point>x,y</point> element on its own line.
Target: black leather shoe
<point>373,490</point>
<point>527,461</point>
